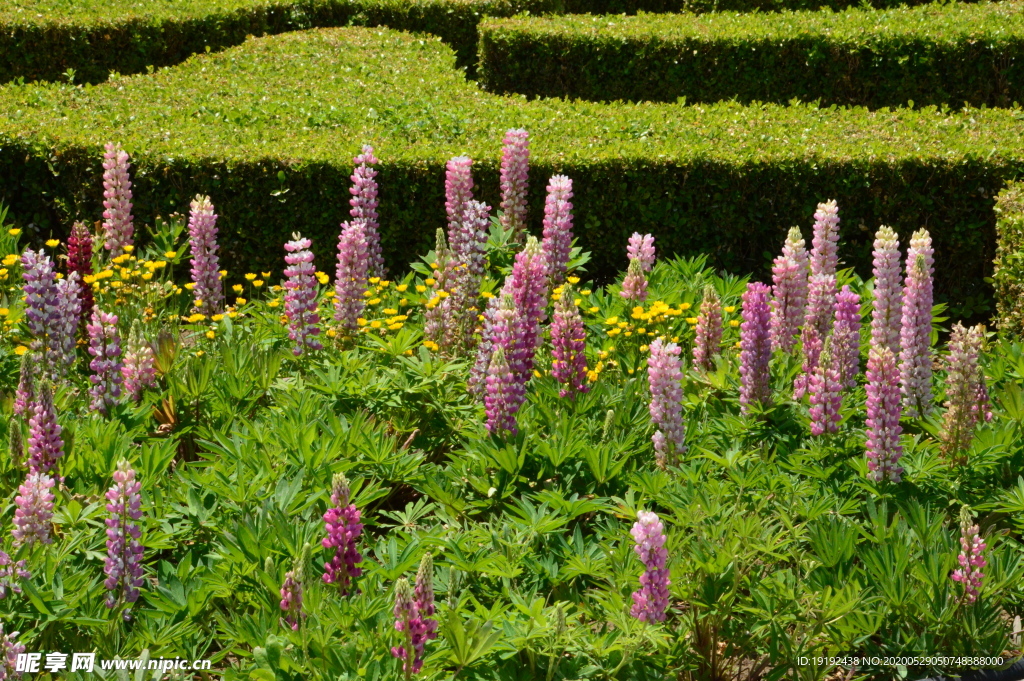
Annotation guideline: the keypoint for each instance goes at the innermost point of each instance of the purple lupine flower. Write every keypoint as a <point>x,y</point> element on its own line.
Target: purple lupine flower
<point>501,397</point>
<point>26,391</point>
<point>971,558</point>
<point>665,378</point>
<point>105,347</point>
<point>139,368</point>
<point>458,192</point>
<point>965,382</point>
<point>202,239</point>
<point>825,243</point>
<point>634,286</point>
<point>80,261</point>
<point>846,337</point>
<point>34,510</point>
<point>789,300</point>
<point>887,309</point>
<point>291,596</point>
<point>568,345</point>
<point>884,404</point>
<point>528,287</point>
<point>484,349</point>
<point>350,276</point>
<point>408,621</point>
<point>825,390</point>
<point>10,574</point>
<point>462,282</point>
<point>755,347</point>
<point>123,565</point>
<point>118,229</point>
<point>916,327</point>
<point>423,598</point>
<point>45,446</point>
<point>641,246</point>
<point>364,204</point>
<point>557,226</point>
<point>708,330</point>
<point>515,171</point>
<point>300,301</point>
<point>343,530</point>
<point>9,652</point>
<point>69,317</point>
<point>42,305</point>
<point>982,404</point>
<point>818,320</point>
<point>651,601</point>
<point>472,241</point>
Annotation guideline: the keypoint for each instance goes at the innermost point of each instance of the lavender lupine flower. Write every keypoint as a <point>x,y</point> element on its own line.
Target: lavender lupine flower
<point>634,286</point>
<point>45,446</point>
<point>202,239</point>
<point>528,287</point>
<point>118,229</point>
<point>26,391</point>
<point>42,304</point>
<point>755,347</point>
<point>515,171</point>
<point>139,368</point>
<point>888,306</point>
<point>364,208</point>
<point>789,300</point>
<point>458,191</point>
<point>10,574</point>
<point>558,226</point>
<point>300,300</point>
<point>501,398</point>
<point>34,510</point>
<point>641,246</point>
<point>884,404</point>
<point>423,597</point>
<point>350,276</point>
<point>467,270</point>
<point>291,596</point>
<point>651,601</point>
<point>825,243</point>
<point>964,384</point>
<point>484,349</point>
<point>568,345</point>
<point>105,347</point>
<point>665,377</point>
<point>846,337</point>
<point>916,327</point>
<point>971,558</point>
<point>708,330</point>
<point>343,530</point>
<point>818,320</point>
<point>69,317</point>
<point>123,565</point>
<point>9,651</point>
<point>408,621</point>
<point>825,391</point>
<point>80,261</point>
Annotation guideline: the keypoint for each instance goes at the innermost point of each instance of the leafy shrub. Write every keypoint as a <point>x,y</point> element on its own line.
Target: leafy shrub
<point>1009,264</point>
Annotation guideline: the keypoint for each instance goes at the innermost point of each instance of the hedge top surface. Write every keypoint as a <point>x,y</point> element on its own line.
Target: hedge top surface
<point>112,11</point>
<point>316,96</point>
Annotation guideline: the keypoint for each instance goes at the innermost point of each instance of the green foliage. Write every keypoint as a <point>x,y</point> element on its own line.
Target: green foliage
<point>1009,263</point>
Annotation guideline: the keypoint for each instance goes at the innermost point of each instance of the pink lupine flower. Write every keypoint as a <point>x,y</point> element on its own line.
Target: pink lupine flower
<point>105,347</point>
<point>80,261</point>
<point>42,304</point>
<point>568,345</point>
<point>965,384</point>
<point>971,558</point>
<point>846,337</point>
<point>10,574</point>
<point>884,405</point>
<point>515,171</point>
<point>69,317</point>
<point>887,310</point>
<point>123,565</point>
<point>467,269</point>
<point>9,652</point>
<point>641,246</point>
<point>501,399</point>
<point>423,598</point>
<point>34,510</point>
<point>45,446</point>
<point>472,241</point>
<point>351,276</point>
<point>825,243</point>
<point>665,378</point>
<point>651,601</point>
<point>202,239</point>
<point>818,320</point>
<point>484,349</point>
<point>528,287</point>
<point>364,204</point>
<point>25,393</point>
<point>458,191</point>
<point>755,347</point>
<point>634,286</point>
<point>139,368</point>
<point>291,597</point>
<point>708,330</point>
<point>789,300</point>
<point>916,328</point>
<point>343,530</point>
<point>118,229</point>
<point>413,611</point>
<point>300,300</point>
<point>825,391</point>
<point>558,226</point>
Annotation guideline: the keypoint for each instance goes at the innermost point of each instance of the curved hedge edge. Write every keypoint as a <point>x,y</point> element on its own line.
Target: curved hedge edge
<point>1009,260</point>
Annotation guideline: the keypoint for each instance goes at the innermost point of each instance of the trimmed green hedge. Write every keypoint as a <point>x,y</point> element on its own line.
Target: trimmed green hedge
<point>269,130</point>
<point>935,54</point>
<point>1009,264</point>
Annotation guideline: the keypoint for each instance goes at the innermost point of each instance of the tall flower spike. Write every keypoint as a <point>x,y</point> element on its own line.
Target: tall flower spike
<point>458,191</point>
<point>825,243</point>
<point>343,530</point>
<point>515,171</point>
<point>34,510</point>
<point>916,328</point>
<point>708,330</point>
<point>641,246</point>
<point>118,229</point>
<point>558,226</point>
<point>964,384</point>
<point>42,305</point>
<point>123,565</point>
<point>887,309</point>
<point>825,391</point>
<point>26,391</point>
<point>364,204</point>
<point>351,276</point>
<point>202,239</point>
<point>69,317</point>
<point>884,404</point>
<point>436,323</point>
<point>11,573</point>
<point>568,345</point>
<point>139,369</point>
<point>651,601</point>
<point>846,337</point>
<point>818,320</point>
<point>755,347</point>
<point>501,400</point>
<point>528,287</point>
<point>15,443</point>
<point>468,265</point>
<point>300,300</point>
<point>634,286</point>
<point>423,597</point>
<point>105,347</point>
<point>291,596</point>
<point>45,446</point>
<point>665,377</point>
<point>484,349</point>
<point>971,558</point>
<point>789,300</point>
<point>80,261</point>
<point>406,621</point>
<point>9,652</point>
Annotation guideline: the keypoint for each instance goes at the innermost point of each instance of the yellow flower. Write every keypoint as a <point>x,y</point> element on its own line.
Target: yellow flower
<point>373,301</point>
<point>390,310</point>
<point>614,332</point>
<point>331,333</point>
<point>329,293</point>
<point>374,280</point>
<point>120,259</point>
<point>628,334</point>
<point>594,309</point>
<point>10,259</point>
<point>431,345</point>
<point>361,322</point>
<point>197,317</point>
<point>420,289</point>
<point>558,289</point>
<point>189,286</point>
<point>731,308</point>
<point>200,353</point>
<point>275,288</point>
<point>592,376</point>
<point>734,323</point>
<point>237,288</point>
<point>265,274</point>
<point>116,284</point>
<point>644,348</point>
<point>223,273</point>
<point>15,232</point>
<point>216,318</point>
<point>408,352</point>
<point>367,294</point>
<point>574,280</point>
<point>129,248</point>
<point>691,320</point>
<point>211,335</point>
<point>401,288</point>
<point>641,330</point>
<point>629,371</point>
<point>375,324</point>
<point>487,294</point>
<point>737,345</point>
<point>322,277</point>
<point>603,354</point>
<point>622,325</point>
<point>611,321</point>
<point>385,284</point>
<point>250,276</point>
<point>232,314</point>
<point>53,243</point>
<point>586,292</point>
<point>170,254</point>
<point>396,326</point>
<point>4,312</point>
<point>240,301</point>
<point>429,281</point>
<point>638,313</point>
<point>537,373</point>
<point>403,301</point>
<point>273,303</point>
<point>258,283</point>
<point>442,294</point>
<point>21,349</point>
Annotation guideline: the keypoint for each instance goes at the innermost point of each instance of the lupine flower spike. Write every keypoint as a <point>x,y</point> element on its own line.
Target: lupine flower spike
<point>558,226</point>
<point>300,300</point>
<point>468,270</point>
<point>708,330</point>
<point>641,246</point>
<point>118,229</point>
<point>887,309</point>
<point>825,243</point>
<point>42,306</point>
<point>966,394</point>
<point>438,316</point>
<point>916,327</point>
<point>884,404</point>
<point>413,610</point>
<point>501,399</point>
<point>458,192</point>
<point>651,601</point>
<point>202,239</point>
<point>755,347</point>
<point>515,170</point>
<point>364,203</point>
<point>69,316</point>
<point>971,558</point>
<point>825,391</point>
<point>105,347</point>
<point>485,348</point>
<point>343,530</point>
<point>15,443</point>
<point>45,446</point>
<point>11,573</point>
<point>528,287</point>
<point>123,566</point>
<point>351,276</point>
<point>818,320</point>
<point>423,597</point>
<point>634,286</point>
<point>9,652</point>
<point>139,370</point>
<point>26,391</point>
<point>846,337</point>
<point>80,261</point>
<point>665,377</point>
<point>34,510</point>
<point>568,345</point>
<point>789,299</point>
<point>291,596</point>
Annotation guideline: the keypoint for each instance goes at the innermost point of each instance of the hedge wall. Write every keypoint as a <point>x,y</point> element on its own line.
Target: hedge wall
<point>934,54</point>
<point>1009,263</point>
<point>269,129</point>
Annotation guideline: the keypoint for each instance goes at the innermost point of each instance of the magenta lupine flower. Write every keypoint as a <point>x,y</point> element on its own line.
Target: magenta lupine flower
<point>501,400</point>
<point>350,276</point>
<point>846,337</point>
<point>25,393</point>
<point>825,390</point>
<point>80,261</point>
<point>118,229</point>
<point>123,565</point>
<point>887,310</point>
<point>558,226</point>
<point>202,239</point>
<point>884,404</point>
<point>515,171</point>
<point>665,378</point>
<point>423,598</point>
<point>641,246</point>
<point>42,304</point>
<point>408,621</point>
<point>916,327</point>
<point>9,651</point>
<point>568,345</point>
<point>364,204</point>
<point>139,368</point>
<point>458,191</point>
<point>69,316</point>
<point>291,597</point>
<point>755,347</point>
<point>818,320</point>
<point>971,558</point>
<point>343,530</point>
<point>105,347</point>
<point>528,287</point>
<point>825,243</point>
<point>634,286</point>
<point>965,382</point>
<point>472,242</point>
<point>34,510</point>
<point>651,601</point>
<point>484,349</point>
<point>789,300</point>
<point>45,446</point>
<point>708,330</point>
<point>300,300</point>
<point>10,574</point>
